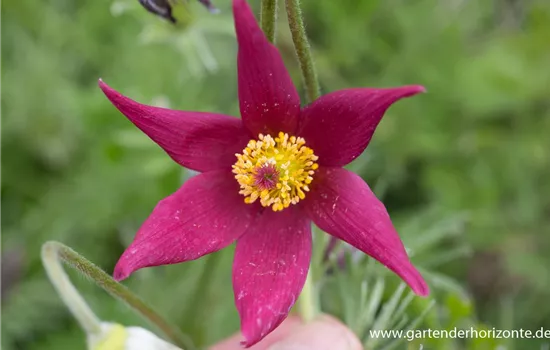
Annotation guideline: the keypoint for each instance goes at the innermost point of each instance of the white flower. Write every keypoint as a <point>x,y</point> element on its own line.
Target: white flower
<point>114,336</point>
<point>100,335</point>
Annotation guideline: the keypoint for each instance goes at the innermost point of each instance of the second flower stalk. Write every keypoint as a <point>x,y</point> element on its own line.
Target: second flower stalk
<point>307,303</point>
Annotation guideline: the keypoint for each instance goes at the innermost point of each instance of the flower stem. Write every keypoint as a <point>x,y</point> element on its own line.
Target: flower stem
<point>200,298</point>
<point>52,255</point>
<point>268,18</point>
<point>307,303</point>
<point>303,49</point>
<point>66,290</point>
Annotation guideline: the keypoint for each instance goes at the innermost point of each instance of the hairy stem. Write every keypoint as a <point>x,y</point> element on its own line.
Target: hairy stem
<point>53,253</point>
<point>66,290</point>
<point>307,303</point>
<point>303,49</point>
<point>268,18</point>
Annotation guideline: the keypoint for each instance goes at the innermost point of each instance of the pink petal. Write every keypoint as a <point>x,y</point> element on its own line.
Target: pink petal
<point>196,140</point>
<point>270,268</point>
<point>203,216</point>
<point>338,126</point>
<point>342,204</point>
<point>268,98</point>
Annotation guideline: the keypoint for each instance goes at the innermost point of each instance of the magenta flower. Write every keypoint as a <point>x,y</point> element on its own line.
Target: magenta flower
<point>263,180</point>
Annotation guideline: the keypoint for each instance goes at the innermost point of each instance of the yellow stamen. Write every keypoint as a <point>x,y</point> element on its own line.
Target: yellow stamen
<point>277,171</point>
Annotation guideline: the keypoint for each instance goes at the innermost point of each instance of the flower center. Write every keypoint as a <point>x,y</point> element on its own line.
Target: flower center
<point>277,171</point>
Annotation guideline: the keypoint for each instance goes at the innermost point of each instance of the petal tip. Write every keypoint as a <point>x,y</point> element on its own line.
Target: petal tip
<point>101,83</point>
<point>107,90</point>
<point>422,291</point>
<point>420,89</point>
<point>417,283</point>
<point>119,276</point>
<point>411,90</point>
<point>121,102</point>
<point>121,272</point>
<point>249,340</point>
<point>239,5</point>
<point>244,19</point>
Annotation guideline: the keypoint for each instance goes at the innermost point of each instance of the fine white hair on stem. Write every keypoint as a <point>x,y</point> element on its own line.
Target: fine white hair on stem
<point>67,291</point>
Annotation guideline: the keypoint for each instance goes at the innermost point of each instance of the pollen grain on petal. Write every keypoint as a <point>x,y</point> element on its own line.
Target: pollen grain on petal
<point>277,171</point>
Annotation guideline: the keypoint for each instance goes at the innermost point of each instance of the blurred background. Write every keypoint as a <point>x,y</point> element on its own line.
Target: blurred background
<point>464,169</point>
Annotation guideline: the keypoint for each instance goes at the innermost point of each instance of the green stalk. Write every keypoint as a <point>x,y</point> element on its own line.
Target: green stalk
<point>200,296</point>
<point>303,49</point>
<point>77,305</point>
<point>268,19</point>
<point>307,303</point>
<point>53,253</point>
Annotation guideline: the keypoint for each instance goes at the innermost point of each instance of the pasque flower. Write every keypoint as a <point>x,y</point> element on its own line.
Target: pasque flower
<point>263,180</point>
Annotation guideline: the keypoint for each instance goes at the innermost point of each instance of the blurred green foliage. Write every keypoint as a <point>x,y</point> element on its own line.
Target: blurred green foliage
<point>464,169</point>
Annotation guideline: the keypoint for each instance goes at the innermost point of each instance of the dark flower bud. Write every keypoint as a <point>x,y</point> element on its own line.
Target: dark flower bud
<point>163,8</point>
<point>209,6</point>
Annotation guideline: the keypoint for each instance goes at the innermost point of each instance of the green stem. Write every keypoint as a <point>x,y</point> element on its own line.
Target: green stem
<point>54,252</point>
<point>307,303</point>
<point>268,18</point>
<point>68,293</point>
<point>200,296</point>
<point>303,49</point>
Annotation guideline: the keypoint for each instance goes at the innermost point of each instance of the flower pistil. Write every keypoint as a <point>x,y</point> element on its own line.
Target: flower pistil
<point>276,170</point>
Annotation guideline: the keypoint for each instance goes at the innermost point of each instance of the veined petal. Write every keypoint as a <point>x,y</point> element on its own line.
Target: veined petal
<point>342,204</point>
<point>203,216</point>
<point>339,126</point>
<point>196,140</point>
<point>270,268</point>
<point>268,99</point>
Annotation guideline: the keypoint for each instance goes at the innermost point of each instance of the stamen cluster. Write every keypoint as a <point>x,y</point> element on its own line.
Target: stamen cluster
<point>275,170</point>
